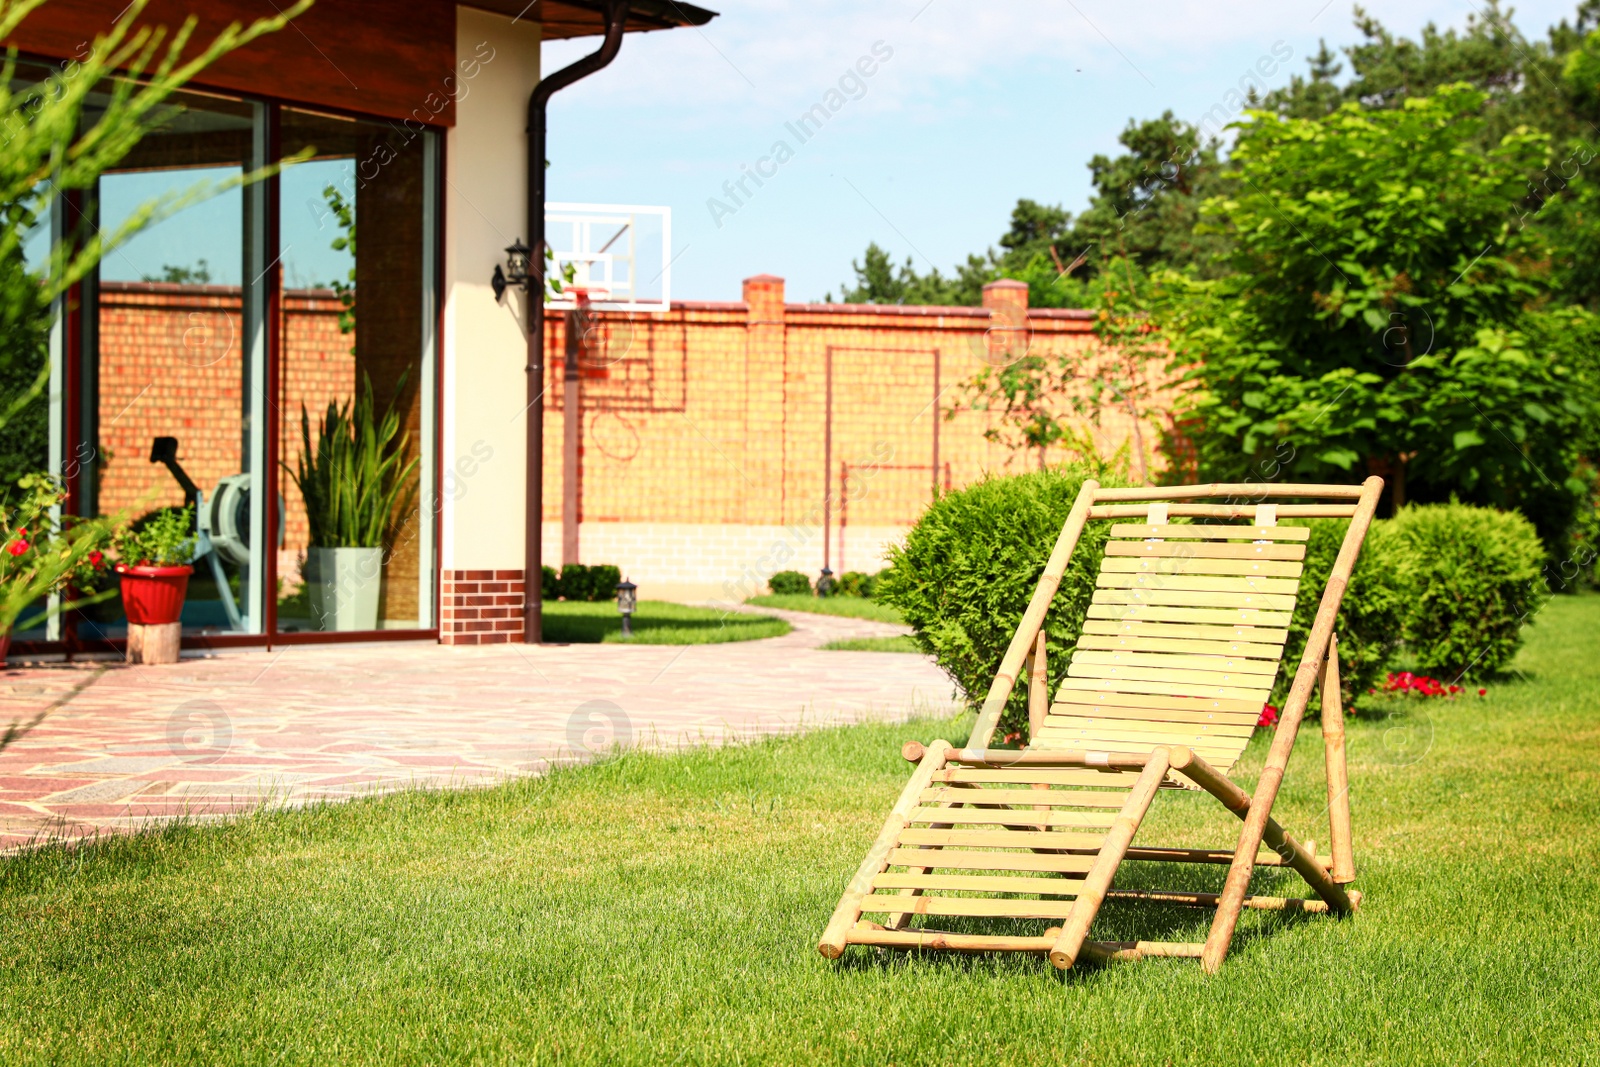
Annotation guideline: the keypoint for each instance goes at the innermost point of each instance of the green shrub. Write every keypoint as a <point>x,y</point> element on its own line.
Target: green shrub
<point>591,583</point>
<point>549,584</point>
<point>859,583</point>
<point>969,566</point>
<point>789,583</point>
<point>1468,577</point>
<point>1370,617</point>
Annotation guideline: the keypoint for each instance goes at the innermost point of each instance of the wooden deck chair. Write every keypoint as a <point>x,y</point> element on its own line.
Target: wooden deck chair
<point>1176,660</point>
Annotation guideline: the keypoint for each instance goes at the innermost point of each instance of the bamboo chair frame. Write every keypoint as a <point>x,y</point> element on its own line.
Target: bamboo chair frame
<point>1025,658</point>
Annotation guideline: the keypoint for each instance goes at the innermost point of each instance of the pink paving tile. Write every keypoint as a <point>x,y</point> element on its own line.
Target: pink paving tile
<point>340,721</point>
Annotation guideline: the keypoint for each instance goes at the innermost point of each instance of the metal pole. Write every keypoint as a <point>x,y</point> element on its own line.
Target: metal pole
<point>533,510</point>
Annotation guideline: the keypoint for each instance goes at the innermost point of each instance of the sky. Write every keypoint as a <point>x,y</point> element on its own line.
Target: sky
<point>967,107</point>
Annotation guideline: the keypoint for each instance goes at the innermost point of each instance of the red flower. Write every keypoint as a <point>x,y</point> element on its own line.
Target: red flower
<point>95,558</point>
<point>1483,692</point>
<point>1269,716</point>
<point>18,547</point>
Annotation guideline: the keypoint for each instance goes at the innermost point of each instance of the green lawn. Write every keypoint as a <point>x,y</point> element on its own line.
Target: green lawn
<point>655,622</point>
<point>851,607</point>
<point>898,643</point>
<point>665,910</point>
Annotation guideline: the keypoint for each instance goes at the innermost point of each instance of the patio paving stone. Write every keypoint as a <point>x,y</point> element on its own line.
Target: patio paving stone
<point>123,747</point>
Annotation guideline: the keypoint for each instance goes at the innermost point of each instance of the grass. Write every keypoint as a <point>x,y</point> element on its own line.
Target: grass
<point>655,622</point>
<point>664,910</point>
<point>850,607</point>
<point>898,643</point>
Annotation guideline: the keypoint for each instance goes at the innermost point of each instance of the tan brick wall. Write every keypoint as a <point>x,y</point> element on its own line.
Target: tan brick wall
<point>716,431</point>
<point>719,440</point>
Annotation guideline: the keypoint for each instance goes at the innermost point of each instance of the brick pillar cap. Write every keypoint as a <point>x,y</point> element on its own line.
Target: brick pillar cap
<point>1006,283</point>
<point>763,279</point>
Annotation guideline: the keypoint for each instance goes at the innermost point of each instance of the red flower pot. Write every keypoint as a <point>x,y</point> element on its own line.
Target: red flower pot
<point>153,595</point>
<point>5,646</point>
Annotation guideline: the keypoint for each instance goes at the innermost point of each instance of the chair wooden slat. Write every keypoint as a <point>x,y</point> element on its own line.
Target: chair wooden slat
<point>953,859</point>
<point>1266,635</point>
<point>1036,775</point>
<point>1267,568</point>
<point>1006,816</point>
<point>1111,698</point>
<point>1156,731</point>
<point>1162,660</point>
<point>1178,645</point>
<point>999,838</point>
<point>1176,689</point>
<point>980,883</point>
<point>998,907</point>
<point>1206,550</point>
<point>1164,596</point>
<point>1219,583</point>
<point>1081,798</point>
<point>1206,616</point>
<point>1212,532</point>
<point>1153,715</point>
<point>1136,673</point>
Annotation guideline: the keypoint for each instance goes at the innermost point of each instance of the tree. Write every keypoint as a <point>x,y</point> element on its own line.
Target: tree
<point>1376,316</point>
<point>60,136</point>
<point>1039,402</point>
<point>1147,200</point>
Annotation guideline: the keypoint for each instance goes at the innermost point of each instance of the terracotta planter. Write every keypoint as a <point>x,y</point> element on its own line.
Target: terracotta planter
<point>153,596</point>
<point>5,646</point>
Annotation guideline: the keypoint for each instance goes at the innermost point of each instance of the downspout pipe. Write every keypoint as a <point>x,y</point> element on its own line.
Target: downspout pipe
<point>533,517</point>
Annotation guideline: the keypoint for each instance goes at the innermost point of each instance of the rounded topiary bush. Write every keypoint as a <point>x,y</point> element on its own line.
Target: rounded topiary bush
<point>1370,617</point>
<point>1468,576</point>
<point>789,583</point>
<point>967,568</point>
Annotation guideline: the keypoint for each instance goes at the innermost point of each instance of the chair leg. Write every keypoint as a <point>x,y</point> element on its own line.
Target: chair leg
<point>1258,825</point>
<point>1076,929</point>
<point>1038,669</point>
<point>1344,862</point>
<point>845,915</point>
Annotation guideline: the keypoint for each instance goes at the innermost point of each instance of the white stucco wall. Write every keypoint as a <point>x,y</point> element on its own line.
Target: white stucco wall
<point>484,351</point>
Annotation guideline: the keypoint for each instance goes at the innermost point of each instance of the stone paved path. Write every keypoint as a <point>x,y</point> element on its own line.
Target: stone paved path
<point>124,746</point>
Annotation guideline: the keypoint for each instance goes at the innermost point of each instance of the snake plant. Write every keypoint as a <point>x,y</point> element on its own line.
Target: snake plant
<point>357,483</point>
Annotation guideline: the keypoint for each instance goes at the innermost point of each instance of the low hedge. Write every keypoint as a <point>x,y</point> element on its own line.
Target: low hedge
<point>789,583</point>
<point>577,581</point>
<point>968,567</point>
<point>1470,579</point>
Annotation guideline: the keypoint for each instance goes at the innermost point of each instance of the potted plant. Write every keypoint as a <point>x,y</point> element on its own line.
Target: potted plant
<point>354,481</point>
<point>153,564</point>
<point>45,558</point>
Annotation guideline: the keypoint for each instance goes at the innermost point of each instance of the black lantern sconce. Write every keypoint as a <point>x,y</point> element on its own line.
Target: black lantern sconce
<point>518,258</point>
<point>627,600</point>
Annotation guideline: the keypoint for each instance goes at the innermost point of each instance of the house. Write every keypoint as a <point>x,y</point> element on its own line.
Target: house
<point>370,258</point>
<point>700,445</point>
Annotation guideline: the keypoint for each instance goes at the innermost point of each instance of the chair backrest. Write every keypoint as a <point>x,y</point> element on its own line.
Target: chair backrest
<point>1188,621</point>
<point>1184,637</point>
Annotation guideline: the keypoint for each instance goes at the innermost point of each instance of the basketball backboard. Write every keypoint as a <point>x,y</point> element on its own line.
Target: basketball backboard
<point>620,253</point>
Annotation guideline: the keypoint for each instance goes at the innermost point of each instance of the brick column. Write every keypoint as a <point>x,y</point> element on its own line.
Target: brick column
<point>763,409</point>
<point>480,607</point>
<point>1009,335</point>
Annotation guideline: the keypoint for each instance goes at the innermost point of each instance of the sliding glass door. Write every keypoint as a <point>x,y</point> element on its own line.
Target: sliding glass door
<point>291,316</point>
